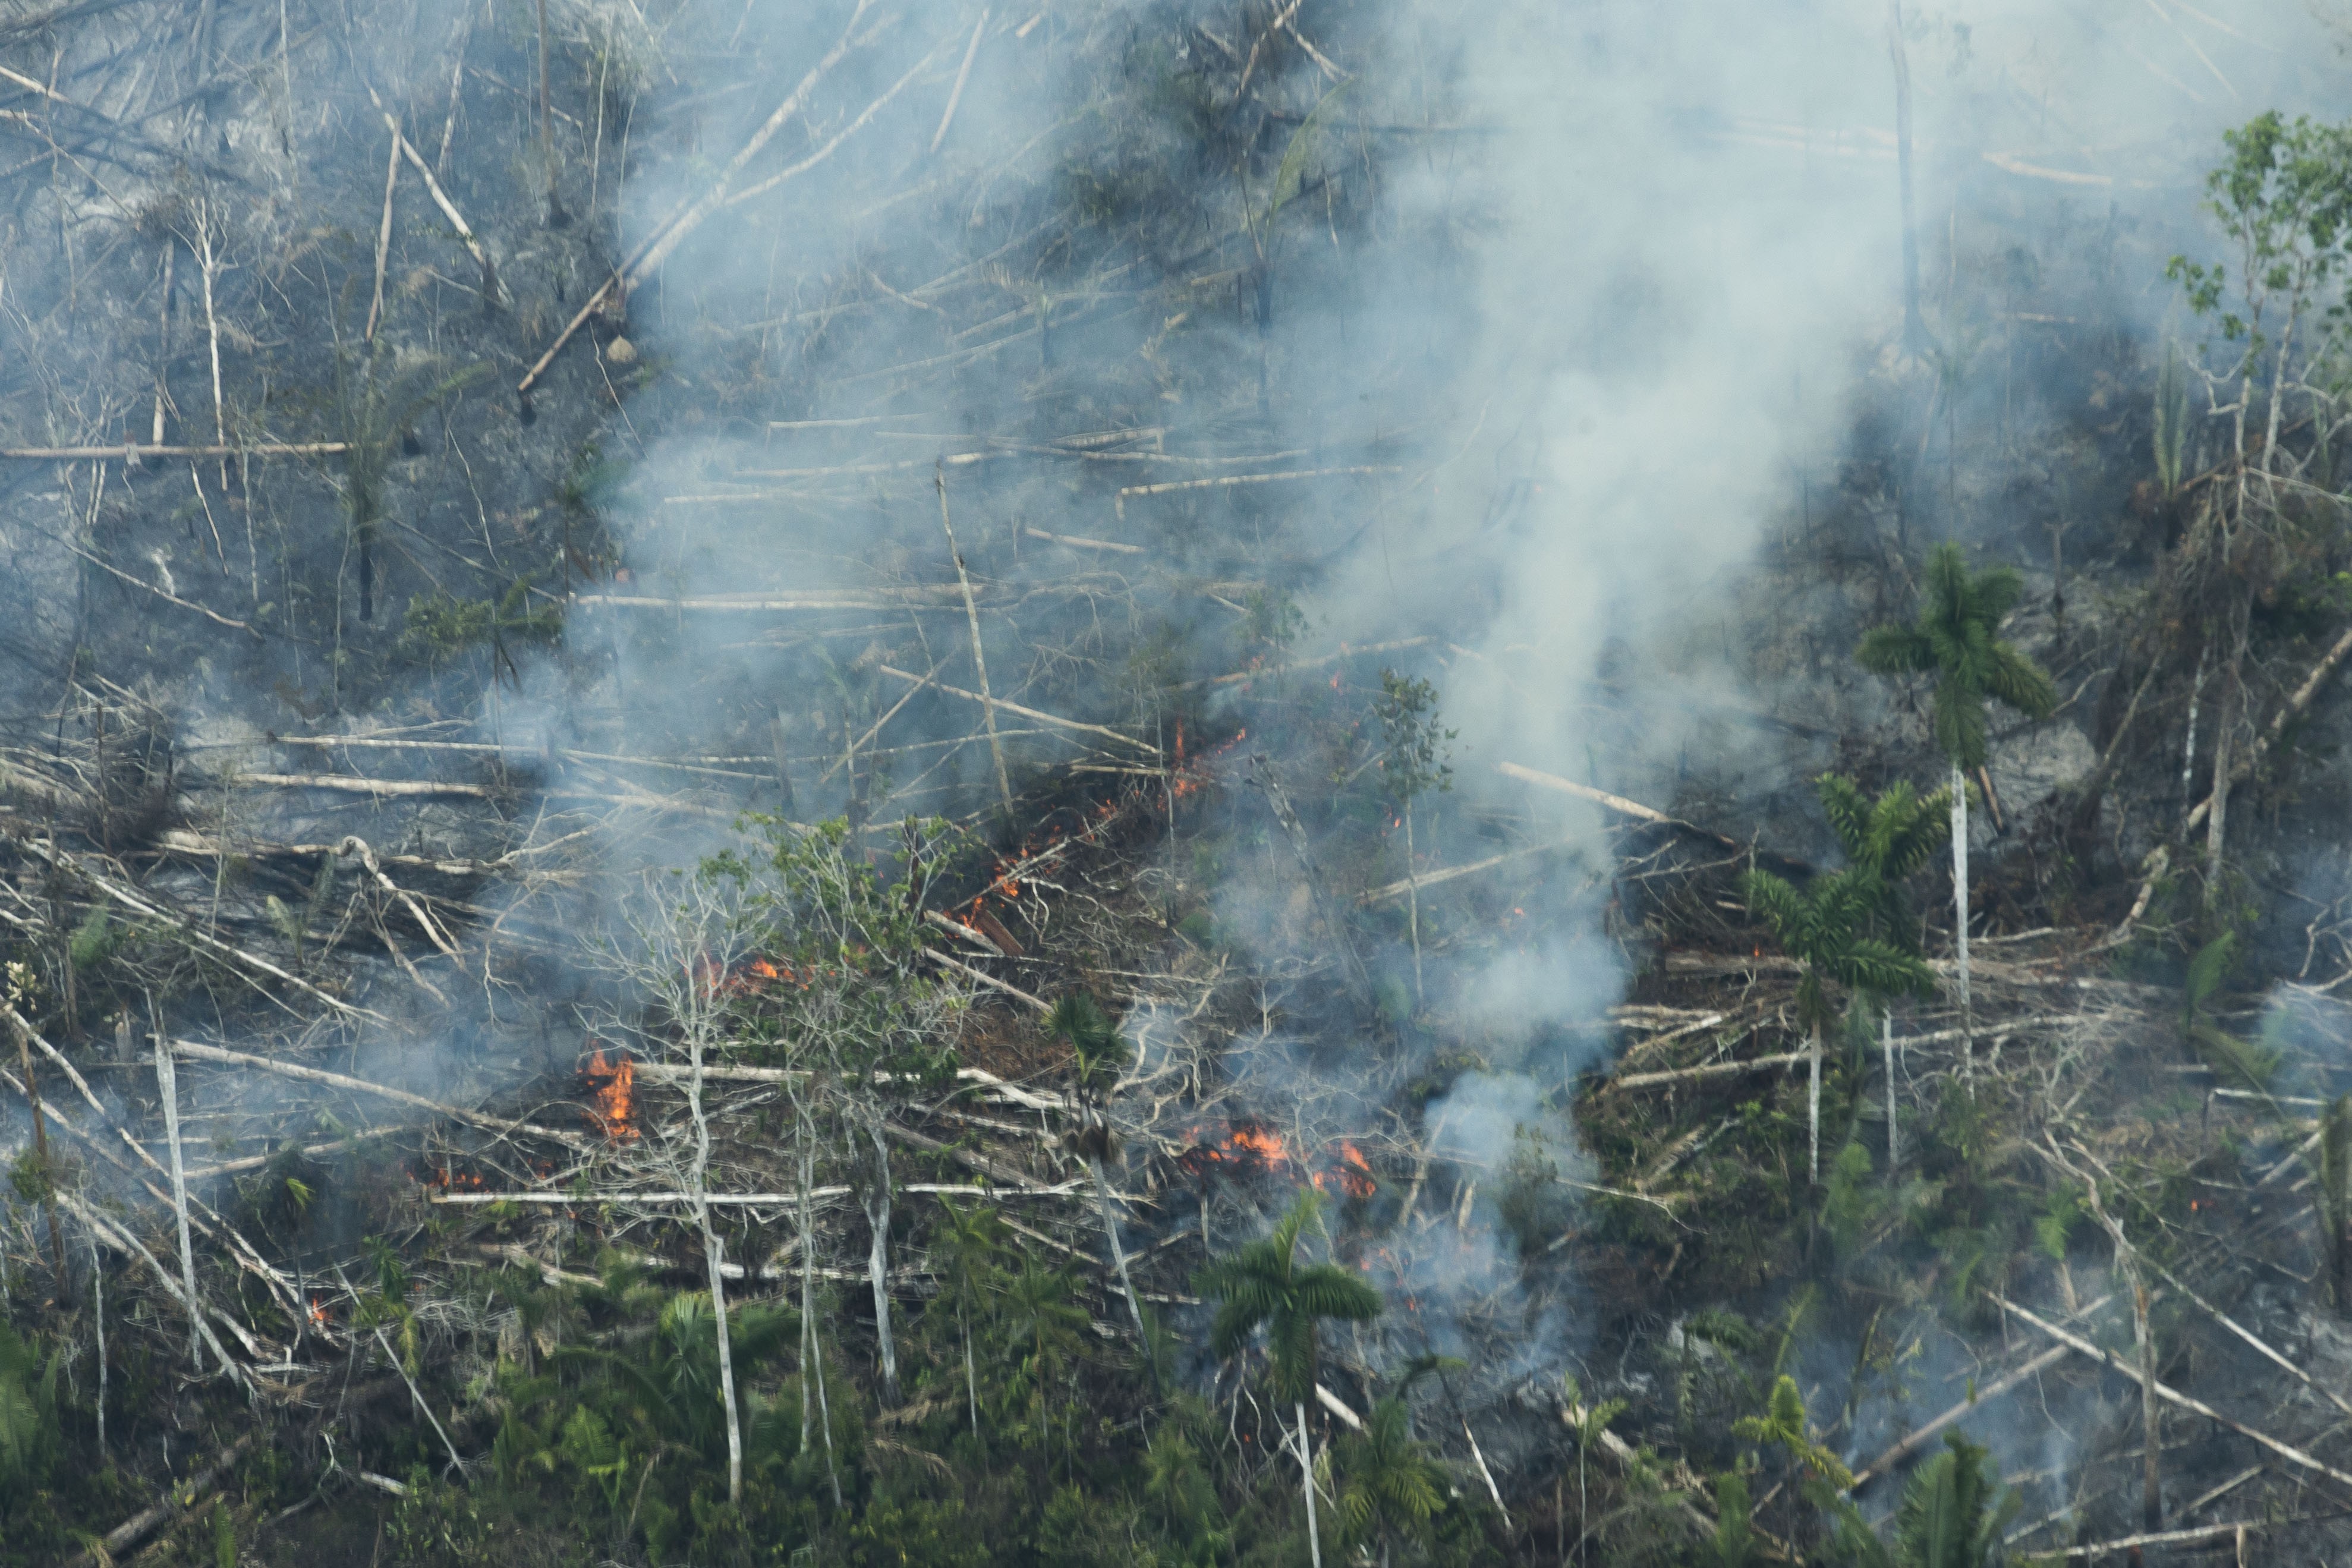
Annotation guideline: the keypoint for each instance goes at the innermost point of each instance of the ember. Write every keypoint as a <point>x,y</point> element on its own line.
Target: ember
<point>611,1086</point>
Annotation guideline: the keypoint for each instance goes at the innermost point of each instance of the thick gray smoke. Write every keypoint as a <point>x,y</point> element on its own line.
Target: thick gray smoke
<point>1512,334</point>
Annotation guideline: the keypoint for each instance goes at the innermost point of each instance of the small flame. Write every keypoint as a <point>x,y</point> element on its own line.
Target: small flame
<point>610,1086</point>
<point>318,1312</point>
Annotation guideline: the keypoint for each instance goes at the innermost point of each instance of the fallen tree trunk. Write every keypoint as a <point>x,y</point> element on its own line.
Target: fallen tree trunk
<point>347,783</point>
<point>482,1119</point>
<point>1712,1070</point>
<point>2171,1396</point>
<point>177,1504</point>
<point>1921,1436</point>
<point>2245,767</point>
<point>993,702</point>
<point>744,1200</point>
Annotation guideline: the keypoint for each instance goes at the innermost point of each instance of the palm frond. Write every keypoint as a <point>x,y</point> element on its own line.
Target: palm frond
<point>1328,1290</point>
<point>2022,683</point>
<point>1773,902</point>
<point>1849,813</point>
<point>1897,650</point>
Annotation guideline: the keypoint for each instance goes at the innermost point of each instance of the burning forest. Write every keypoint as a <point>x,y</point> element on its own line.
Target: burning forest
<point>1159,782</point>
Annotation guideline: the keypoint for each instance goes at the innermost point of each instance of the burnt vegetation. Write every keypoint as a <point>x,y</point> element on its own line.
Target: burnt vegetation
<point>723,839</point>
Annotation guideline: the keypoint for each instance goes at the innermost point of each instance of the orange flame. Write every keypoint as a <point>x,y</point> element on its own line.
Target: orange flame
<point>612,1086</point>
<point>318,1312</point>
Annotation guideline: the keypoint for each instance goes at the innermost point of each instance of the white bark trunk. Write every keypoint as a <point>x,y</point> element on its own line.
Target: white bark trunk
<point>811,1351</point>
<point>1413,900</point>
<point>1118,1261</point>
<point>877,1263</point>
<point>167,1085</point>
<point>714,1255</point>
<point>1887,1039</point>
<point>1813,1105</point>
<point>1307,1475</point>
<point>1961,913</point>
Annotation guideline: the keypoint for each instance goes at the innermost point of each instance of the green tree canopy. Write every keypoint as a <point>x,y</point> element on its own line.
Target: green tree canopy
<point>1953,640</point>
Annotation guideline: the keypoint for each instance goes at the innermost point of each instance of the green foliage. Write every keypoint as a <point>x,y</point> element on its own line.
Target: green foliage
<point>1782,1424</point>
<point>1954,1510</point>
<point>1734,1545</point>
<point>1953,641</point>
<point>2283,197</point>
<point>1851,1202</point>
<point>1885,841</point>
<point>94,940</point>
<point>224,1536</point>
<point>1825,928</point>
<point>29,1439</point>
<point>2248,1064</point>
<point>2054,1228</point>
<point>1412,742</point>
<point>1266,1284</point>
<point>2170,437</point>
<point>1388,1486</point>
<point>1098,1053</point>
<point>439,628</point>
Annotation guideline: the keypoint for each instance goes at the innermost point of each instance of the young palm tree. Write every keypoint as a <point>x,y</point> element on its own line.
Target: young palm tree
<point>1954,641</point>
<point>1888,841</point>
<point>1265,1283</point>
<point>1389,1488</point>
<point>1954,1511</point>
<point>964,1248</point>
<point>1098,1055</point>
<point>1825,928</point>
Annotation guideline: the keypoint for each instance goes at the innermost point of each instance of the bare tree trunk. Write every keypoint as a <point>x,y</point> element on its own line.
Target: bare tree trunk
<point>167,1085</point>
<point>1118,1260</point>
<point>877,1260</point>
<point>2151,1496</point>
<point>979,655</point>
<point>971,1375</point>
<point>1887,1041</point>
<point>2188,742</point>
<point>1307,1475</point>
<point>2224,721</point>
<point>97,1318</point>
<point>1413,900</point>
<point>208,263</point>
<point>811,1351</point>
<point>1813,1104</point>
<point>1914,326</point>
<point>1960,914</point>
<point>714,1255</point>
